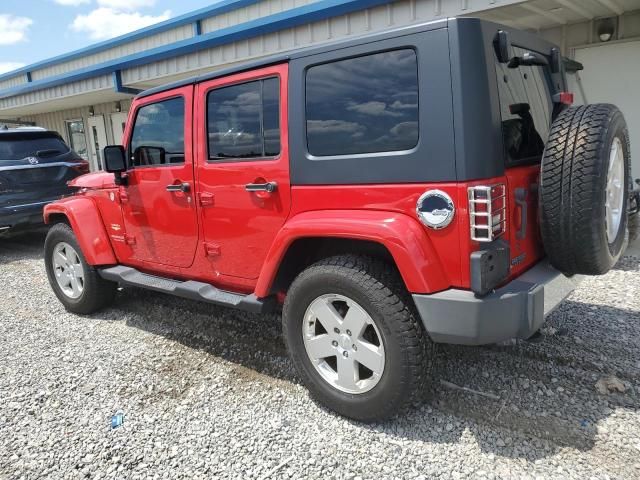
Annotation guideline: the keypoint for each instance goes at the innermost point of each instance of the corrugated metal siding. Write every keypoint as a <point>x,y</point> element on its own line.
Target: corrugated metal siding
<point>251,12</point>
<point>395,14</point>
<point>13,81</point>
<point>267,7</point>
<point>69,89</point>
<point>56,120</point>
<point>164,38</point>
<point>399,13</point>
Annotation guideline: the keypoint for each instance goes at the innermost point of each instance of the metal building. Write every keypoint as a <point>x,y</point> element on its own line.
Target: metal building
<point>85,95</point>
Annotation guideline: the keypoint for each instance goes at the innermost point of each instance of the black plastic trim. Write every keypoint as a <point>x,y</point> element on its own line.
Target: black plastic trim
<point>188,289</point>
<point>489,267</point>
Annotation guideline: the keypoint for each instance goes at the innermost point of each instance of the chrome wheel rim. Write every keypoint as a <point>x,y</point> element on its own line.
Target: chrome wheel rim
<point>68,270</point>
<point>343,343</point>
<point>614,208</point>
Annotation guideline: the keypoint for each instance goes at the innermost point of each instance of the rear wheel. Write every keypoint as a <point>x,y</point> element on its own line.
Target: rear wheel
<point>76,283</point>
<point>350,330</point>
<point>584,189</point>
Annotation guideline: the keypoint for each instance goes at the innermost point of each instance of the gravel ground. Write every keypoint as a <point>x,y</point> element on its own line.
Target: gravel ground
<point>209,393</point>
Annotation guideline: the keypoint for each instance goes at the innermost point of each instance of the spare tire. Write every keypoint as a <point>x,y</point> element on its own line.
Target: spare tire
<point>584,190</point>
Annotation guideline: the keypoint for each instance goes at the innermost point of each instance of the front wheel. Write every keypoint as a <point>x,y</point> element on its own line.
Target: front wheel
<point>351,331</point>
<point>76,283</point>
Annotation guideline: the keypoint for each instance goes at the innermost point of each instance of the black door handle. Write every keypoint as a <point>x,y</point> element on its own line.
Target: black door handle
<point>180,187</point>
<point>268,187</point>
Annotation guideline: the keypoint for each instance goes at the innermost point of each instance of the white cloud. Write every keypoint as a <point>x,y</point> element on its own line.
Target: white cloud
<point>372,108</point>
<point>13,29</point>
<point>10,66</point>
<point>71,3</point>
<point>104,23</point>
<point>335,126</point>
<point>129,5</point>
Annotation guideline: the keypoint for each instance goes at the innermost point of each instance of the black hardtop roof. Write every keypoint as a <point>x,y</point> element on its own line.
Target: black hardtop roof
<point>462,22</point>
<point>306,51</point>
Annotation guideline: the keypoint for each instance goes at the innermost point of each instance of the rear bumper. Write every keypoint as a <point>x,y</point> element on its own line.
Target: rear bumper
<point>516,310</point>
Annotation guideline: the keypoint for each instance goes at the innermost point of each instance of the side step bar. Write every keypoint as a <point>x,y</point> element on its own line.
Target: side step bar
<point>189,289</point>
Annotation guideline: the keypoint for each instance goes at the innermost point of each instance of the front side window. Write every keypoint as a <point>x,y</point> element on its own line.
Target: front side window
<point>158,134</point>
<point>363,105</point>
<point>243,121</point>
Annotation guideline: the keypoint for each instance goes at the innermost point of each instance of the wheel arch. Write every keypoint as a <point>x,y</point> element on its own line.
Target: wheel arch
<point>82,215</point>
<point>393,237</point>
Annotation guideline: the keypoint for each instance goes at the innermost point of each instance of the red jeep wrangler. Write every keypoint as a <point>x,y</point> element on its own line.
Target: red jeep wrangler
<point>426,184</point>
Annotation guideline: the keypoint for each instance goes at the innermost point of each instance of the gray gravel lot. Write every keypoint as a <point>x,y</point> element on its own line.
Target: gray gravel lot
<point>210,393</point>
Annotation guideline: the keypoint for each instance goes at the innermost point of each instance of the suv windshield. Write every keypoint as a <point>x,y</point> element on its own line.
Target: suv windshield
<point>19,146</point>
<point>526,107</point>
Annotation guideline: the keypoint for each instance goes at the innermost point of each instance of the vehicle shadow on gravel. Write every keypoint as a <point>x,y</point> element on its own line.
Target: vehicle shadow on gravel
<point>544,390</point>
<point>22,246</point>
<point>526,400</point>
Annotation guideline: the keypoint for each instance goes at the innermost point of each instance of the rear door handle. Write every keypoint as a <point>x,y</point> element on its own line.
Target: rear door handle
<point>268,187</point>
<point>179,187</point>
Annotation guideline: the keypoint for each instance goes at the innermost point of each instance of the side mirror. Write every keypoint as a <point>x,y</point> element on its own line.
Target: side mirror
<point>115,162</point>
<point>115,159</point>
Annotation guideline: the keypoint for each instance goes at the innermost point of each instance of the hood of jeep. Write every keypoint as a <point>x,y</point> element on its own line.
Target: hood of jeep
<point>94,181</point>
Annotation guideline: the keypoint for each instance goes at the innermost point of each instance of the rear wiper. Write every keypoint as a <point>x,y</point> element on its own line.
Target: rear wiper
<point>48,153</point>
<point>528,59</point>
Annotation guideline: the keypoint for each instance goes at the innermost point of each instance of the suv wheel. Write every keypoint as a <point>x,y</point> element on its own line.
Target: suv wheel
<point>76,283</point>
<point>584,189</point>
<point>350,329</point>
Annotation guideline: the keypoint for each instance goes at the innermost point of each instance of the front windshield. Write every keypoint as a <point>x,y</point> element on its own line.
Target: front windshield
<point>13,148</point>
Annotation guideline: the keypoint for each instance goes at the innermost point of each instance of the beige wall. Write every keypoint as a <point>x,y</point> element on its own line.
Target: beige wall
<point>569,36</point>
<point>56,120</point>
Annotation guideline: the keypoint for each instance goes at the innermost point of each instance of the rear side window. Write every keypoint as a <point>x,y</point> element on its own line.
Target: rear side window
<point>243,121</point>
<point>14,147</point>
<point>363,105</point>
<point>526,107</point>
<point>159,125</point>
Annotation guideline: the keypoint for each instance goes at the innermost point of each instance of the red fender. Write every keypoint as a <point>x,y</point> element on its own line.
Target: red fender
<point>85,220</point>
<point>403,236</point>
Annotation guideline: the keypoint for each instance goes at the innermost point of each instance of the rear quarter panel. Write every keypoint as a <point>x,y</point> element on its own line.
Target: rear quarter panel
<point>428,260</point>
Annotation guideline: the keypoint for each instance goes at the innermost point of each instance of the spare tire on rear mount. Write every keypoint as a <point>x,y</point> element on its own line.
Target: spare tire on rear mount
<point>584,191</point>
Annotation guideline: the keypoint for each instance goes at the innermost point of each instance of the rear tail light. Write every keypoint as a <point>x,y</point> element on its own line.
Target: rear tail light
<point>566,98</point>
<point>487,212</point>
<point>82,167</point>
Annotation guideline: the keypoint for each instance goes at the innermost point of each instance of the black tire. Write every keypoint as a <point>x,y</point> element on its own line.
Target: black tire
<point>573,184</point>
<point>634,227</point>
<point>379,290</point>
<point>634,218</point>
<point>97,292</point>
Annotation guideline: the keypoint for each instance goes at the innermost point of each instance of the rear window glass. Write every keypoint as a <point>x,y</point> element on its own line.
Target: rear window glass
<point>526,107</point>
<point>243,121</point>
<point>363,105</point>
<point>41,147</point>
